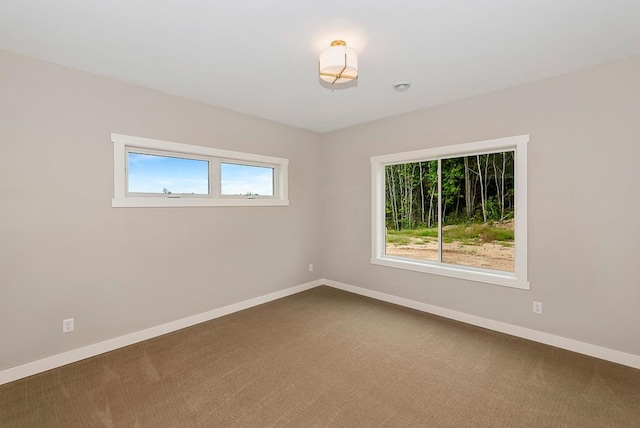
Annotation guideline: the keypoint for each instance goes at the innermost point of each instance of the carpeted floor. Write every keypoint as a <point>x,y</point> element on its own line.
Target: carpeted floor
<point>329,358</point>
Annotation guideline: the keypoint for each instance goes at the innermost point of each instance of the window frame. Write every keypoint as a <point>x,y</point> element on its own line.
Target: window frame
<point>122,198</point>
<point>517,279</point>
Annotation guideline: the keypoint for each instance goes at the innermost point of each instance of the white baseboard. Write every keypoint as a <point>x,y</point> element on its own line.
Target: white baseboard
<point>35,367</point>
<point>596,351</point>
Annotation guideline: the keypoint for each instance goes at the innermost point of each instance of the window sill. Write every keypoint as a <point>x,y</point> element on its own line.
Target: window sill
<point>489,277</point>
<point>196,202</point>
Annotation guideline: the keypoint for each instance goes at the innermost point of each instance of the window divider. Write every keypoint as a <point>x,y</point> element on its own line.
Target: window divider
<point>215,178</point>
<point>440,210</point>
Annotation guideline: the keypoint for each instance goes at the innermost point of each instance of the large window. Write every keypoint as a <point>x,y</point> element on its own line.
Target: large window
<point>458,211</point>
<point>153,173</point>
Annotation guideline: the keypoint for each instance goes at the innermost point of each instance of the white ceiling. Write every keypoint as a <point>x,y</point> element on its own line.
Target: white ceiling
<point>260,56</point>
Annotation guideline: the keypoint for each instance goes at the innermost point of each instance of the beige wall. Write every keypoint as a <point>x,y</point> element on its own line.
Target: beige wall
<point>583,185</point>
<point>64,252</point>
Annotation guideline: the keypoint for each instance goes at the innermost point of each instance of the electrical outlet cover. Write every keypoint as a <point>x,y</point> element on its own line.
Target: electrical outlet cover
<point>537,308</point>
<point>68,325</point>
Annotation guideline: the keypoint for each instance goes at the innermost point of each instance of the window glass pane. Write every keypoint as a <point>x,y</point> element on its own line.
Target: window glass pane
<point>411,205</point>
<point>169,175</point>
<point>246,180</point>
<point>478,211</point>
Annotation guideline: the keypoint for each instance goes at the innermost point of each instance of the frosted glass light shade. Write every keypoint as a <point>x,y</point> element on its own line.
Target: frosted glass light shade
<point>338,63</point>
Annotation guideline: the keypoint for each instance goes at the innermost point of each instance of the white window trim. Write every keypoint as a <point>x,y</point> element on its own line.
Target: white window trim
<point>121,198</point>
<point>518,279</point>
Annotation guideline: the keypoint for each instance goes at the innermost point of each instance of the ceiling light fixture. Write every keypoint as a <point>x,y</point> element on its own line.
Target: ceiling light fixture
<point>338,63</point>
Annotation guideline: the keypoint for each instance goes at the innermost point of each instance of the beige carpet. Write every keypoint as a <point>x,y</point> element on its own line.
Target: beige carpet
<point>329,358</point>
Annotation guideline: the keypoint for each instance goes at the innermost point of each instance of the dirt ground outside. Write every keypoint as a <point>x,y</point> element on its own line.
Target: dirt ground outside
<point>492,255</point>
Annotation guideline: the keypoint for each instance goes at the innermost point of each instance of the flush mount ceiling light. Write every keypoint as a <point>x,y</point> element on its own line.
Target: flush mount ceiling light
<point>338,63</point>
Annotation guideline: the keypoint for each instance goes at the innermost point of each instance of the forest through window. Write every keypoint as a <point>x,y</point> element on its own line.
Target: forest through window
<point>455,210</point>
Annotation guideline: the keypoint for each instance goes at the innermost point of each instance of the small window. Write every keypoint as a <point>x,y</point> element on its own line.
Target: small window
<point>246,180</point>
<point>149,173</point>
<point>154,173</point>
<point>458,211</point>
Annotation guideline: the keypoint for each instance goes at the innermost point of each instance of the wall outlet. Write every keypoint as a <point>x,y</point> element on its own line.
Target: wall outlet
<point>67,325</point>
<point>310,267</point>
<point>537,308</point>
